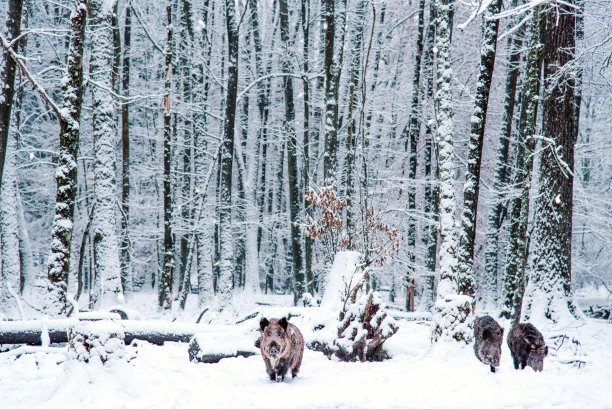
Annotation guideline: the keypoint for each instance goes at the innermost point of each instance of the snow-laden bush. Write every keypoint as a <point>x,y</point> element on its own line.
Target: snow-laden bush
<point>96,342</point>
<point>362,324</point>
<point>363,329</point>
<point>454,318</point>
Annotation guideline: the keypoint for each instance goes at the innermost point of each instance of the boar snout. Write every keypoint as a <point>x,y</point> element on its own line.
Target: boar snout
<point>274,349</point>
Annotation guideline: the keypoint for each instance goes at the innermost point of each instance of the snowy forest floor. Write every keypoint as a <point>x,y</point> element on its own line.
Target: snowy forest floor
<point>417,376</point>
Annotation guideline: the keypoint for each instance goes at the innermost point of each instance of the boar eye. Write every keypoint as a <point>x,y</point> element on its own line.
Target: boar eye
<point>278,333</point>
<point>269,333</point>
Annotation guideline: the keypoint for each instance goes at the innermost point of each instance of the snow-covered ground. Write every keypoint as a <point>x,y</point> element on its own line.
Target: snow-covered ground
<point>417,376</point>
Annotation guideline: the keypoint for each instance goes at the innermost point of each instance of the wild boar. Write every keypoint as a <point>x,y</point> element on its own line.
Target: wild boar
<point>488,337</point>
<point>527,347</point>
<point>282,347</point>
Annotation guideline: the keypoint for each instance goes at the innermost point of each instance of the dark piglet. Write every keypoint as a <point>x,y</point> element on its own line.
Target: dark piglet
<point>282,347</point>
<point>488,337</point>
<point>527,347</point>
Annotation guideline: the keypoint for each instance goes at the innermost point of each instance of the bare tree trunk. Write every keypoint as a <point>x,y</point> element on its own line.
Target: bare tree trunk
<point>514,280</point>
<point>66,173</point>
<point>308,241</point>
<point>106,252</point>
<point>430,208</point>
<point>471,189</point>
<point>548,293</point>
<point>166,279</point>
<point>10,263</point>
<point>8,67</point>
<point>502,166</point>
<point>126,256</point>
<point>453,312</point>
<point>411,142</point>
<point>227,157</point>
<point>289,127</point>
<point>204,248</point>
<point>330,161</point>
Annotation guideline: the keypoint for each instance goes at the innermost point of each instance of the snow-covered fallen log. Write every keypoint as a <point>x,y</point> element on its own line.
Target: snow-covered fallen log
<point>155,332</point>
<point>210,349</point>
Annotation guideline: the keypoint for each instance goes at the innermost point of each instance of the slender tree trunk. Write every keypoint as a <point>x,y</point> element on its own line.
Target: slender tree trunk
<point>353,85</point>
<point>10,263</point>
<point>31,278</point>
<point>263,91</point>
<point>226,251</point>
<point>66,172</point>
<point>414,130</point>
<point>8,67</point>
<point>453,312</point>
<point>166,279</point>
<point>502,166</point>
<point>126,257</point>
<point>471,189</point>
<point>186,43</point>
<point>254,145</point>
<point>430,208</point>
<point>308,241</point>
<point>514,280</point>
<point>204,246</point>
<point>330,161</point>
<point>548,292</point>
<point>290,125</point>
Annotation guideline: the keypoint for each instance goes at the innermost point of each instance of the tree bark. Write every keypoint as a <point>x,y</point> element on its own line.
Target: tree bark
<point>471,189</point>
<point>330,160</point>
<point>166,279</point>
<point>430,207</point>
<point>516,259</point>
<point>106,251</point>
<point>308,241</point>
<point>411,142</point>
<point>290,131</point>
<point>126,256</point>
<point>66,172</point>
<point>204,248</point>
<point>550,282</point>
<point>502,165</point>
<point>453,312</point>
<point>227,157</point>
<point>8,67</point>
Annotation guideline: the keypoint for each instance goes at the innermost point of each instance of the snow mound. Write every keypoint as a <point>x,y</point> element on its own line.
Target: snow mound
<point>96,342</point>
<point>341,273</point>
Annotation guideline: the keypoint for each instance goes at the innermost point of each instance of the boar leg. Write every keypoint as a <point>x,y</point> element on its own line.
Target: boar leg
<point>492,368</point>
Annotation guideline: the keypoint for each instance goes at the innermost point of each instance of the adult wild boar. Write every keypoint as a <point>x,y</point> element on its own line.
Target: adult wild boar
<point>527,347</point>
<point>488,337</point>
<point>282,347</point>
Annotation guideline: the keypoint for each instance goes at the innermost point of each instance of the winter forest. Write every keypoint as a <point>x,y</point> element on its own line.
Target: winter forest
<point>175,175</point>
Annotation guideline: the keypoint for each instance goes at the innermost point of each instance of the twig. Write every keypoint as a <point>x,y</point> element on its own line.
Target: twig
<point>33,81</point>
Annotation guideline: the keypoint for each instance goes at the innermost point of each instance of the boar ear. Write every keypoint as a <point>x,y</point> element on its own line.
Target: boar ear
<point>263,323</point>
<point>283,323</point>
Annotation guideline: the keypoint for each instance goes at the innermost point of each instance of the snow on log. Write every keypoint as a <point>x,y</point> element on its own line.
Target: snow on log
<point>210,349</point>
<point>155,332</point>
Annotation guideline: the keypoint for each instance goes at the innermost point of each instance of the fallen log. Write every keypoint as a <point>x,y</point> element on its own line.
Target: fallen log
<point>229,344</point>
<point>155,332</point>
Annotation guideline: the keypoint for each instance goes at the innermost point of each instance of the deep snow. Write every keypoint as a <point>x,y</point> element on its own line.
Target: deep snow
<point>417,376</point>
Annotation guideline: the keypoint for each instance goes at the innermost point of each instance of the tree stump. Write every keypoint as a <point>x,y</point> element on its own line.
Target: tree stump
<point>96,342</point>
